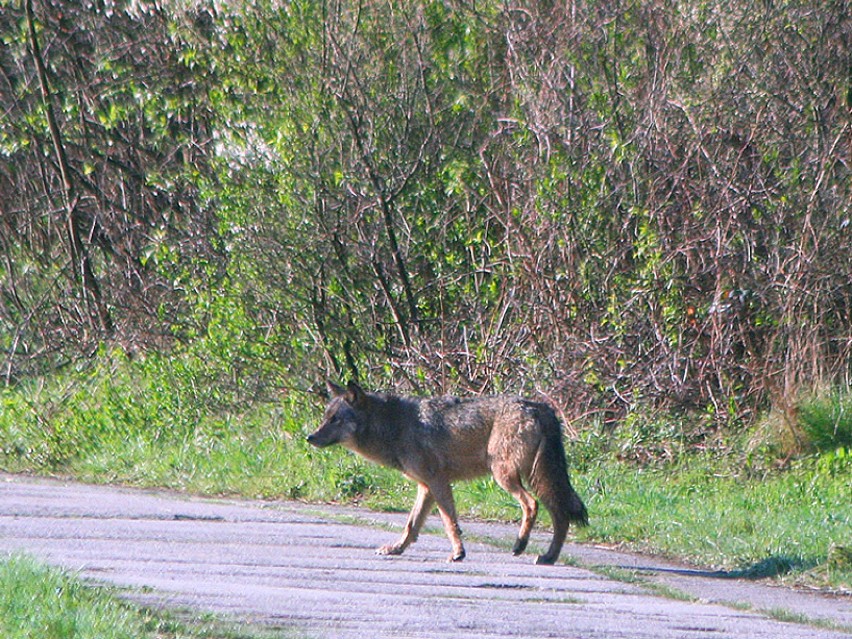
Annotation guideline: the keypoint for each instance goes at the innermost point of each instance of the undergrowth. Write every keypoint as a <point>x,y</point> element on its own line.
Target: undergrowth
<point>664,484</point>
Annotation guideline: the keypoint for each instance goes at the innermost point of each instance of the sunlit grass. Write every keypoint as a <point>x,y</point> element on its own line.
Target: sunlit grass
<point>38,602</point>
<point>782,524</point>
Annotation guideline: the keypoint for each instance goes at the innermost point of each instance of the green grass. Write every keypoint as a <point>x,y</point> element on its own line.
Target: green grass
<point>826,420</point>
<point>37,602</point>
<point>783,525</point>
<point>652,486</point>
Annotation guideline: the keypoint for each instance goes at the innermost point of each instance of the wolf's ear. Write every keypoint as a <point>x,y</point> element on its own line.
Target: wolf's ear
<point>355,395</point>
<point>334,390</point>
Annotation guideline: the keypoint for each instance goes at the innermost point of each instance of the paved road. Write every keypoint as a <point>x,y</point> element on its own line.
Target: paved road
<point>314,568</point>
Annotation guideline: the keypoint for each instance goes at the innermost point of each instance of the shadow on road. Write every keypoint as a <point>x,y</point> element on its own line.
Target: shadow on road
<point>772,566</point>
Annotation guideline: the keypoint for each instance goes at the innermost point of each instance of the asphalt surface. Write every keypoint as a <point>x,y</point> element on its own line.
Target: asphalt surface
<point>314,569</point>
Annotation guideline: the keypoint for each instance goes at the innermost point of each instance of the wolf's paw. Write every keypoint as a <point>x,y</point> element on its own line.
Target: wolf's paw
<point>520,546</point>
<point>457,556</point>
<point>389,550</point>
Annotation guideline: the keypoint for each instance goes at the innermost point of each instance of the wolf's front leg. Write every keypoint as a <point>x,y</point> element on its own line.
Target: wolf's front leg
<point>422,505</point>
<point>443,494</point>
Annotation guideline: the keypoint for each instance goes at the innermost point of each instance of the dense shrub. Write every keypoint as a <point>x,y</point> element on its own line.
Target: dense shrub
<point>612,204</point>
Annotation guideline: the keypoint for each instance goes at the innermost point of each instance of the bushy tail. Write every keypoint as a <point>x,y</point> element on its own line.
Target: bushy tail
<point>549,481</point>
<point>549,477</point>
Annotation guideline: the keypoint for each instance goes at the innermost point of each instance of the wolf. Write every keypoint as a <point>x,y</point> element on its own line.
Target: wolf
<point>436,441</point>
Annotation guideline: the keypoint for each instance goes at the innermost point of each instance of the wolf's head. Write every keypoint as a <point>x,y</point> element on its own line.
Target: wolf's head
<point>342,417</point>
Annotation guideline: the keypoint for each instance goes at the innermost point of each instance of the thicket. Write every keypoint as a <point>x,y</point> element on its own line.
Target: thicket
<point>620,203</point>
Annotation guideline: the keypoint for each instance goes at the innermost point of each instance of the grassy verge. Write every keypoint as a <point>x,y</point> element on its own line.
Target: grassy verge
<point>652,486</point>
<point>786,524</point>
<point>37,602</point>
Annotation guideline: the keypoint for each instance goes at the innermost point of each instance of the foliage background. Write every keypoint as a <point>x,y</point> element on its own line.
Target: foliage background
<point>612,204</point>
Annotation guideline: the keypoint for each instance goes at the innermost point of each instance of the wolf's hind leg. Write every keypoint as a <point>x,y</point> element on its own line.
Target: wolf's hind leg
<point>560,530</point>
<point>511,483</point>
<point>422,506</point>
<point>549,480</point>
